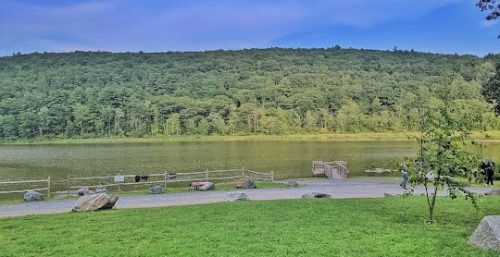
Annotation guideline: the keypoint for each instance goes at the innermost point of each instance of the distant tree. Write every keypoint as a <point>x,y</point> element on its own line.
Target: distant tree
<point>173,125</point>
<point>203,127</point>
<point>310,122</point>
<point>274,91</point>
<point>217,125</point>
<point>491,90</point>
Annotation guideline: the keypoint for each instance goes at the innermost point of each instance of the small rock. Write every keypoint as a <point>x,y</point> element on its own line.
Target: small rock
<point>292,184</point>
<point>101,189</point>
<point>236,196</point>
<point>94,202</point>
<point>315,195</point>
<point>83,191</point>
<point>249,184</point>
<point>32,196</point>
<point>207,186</point>
<point>487,234</point>
<point>157,189</point>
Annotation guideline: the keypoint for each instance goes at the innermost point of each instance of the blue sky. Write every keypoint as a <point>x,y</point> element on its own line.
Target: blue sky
<point>443,26</point>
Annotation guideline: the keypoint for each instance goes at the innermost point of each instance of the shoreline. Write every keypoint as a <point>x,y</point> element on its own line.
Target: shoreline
<point>488,136</point>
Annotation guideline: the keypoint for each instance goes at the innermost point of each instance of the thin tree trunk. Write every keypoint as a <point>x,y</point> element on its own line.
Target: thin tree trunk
<point>433,204</point>
<point>428,200</point>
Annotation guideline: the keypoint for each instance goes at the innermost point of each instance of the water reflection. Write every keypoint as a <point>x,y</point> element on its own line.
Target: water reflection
<point>286,158</point>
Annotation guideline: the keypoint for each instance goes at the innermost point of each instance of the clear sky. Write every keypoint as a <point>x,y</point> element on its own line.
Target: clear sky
<point>443,26</point>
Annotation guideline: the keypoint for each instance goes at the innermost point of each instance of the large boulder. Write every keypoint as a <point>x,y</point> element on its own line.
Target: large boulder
<point>487,234</point>
<point>315,195</point>
<point>292,184</point>
<point>206,186</point>
<point>236,196</point>
<point>249,184</point>
<point>32,196</point>
<point>94,202</point>
<point>157,189</point>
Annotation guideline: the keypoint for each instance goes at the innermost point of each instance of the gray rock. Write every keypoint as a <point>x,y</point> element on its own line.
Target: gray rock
<point>249,184</point>
<point>495,191</point>
<point>94,202</point>
<point>207,186</point>
<point>487,234</point>
<point>292,184</point>
<point>236,196</point>
<point>83,191</point>
<point>101,189</point>
<point>157,189</point>
<point>315,195</point>
<point>110,204</point>
<point>32,196</point>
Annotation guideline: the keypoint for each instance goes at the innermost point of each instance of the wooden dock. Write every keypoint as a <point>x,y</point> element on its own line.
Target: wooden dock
<point>332,170</point>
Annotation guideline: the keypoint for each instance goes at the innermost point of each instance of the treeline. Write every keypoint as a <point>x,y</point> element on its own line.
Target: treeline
<point>268,91</point>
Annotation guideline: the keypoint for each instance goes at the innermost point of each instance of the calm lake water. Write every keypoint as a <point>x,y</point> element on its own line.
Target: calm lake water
<point>287,159</point>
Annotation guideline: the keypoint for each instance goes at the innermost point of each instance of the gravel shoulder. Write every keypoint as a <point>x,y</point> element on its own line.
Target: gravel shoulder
<point>348,188</point>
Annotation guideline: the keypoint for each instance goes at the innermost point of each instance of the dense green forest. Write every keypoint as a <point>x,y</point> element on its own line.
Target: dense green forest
<point>256,91</point>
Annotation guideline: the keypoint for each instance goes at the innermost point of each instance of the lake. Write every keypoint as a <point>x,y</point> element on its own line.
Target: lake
<point>288,159</point>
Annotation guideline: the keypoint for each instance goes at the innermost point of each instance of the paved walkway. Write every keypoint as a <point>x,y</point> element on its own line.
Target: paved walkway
<point>348,188</point>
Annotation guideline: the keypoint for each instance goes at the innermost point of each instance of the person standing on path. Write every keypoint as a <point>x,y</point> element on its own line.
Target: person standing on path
<point>490,170</point>
<point>404,172</point>
<point>484,168</point>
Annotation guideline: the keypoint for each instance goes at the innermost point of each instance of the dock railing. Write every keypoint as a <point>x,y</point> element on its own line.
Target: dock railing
<point>341,167</point>
<point>332,170</point>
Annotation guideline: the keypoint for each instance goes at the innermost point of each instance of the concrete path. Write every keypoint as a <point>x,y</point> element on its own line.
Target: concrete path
<point>348,188</point>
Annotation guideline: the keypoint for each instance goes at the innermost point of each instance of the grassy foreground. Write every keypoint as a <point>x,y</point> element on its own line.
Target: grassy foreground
<point>318,227</point>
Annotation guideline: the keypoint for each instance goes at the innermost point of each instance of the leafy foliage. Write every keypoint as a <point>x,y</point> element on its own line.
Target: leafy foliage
<point>490,6</point>
<point>443,160</point>
<point>491,89</point>
<point>256,91</point>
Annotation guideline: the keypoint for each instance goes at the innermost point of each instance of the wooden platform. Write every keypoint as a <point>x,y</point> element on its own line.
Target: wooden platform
<point>332,170</point>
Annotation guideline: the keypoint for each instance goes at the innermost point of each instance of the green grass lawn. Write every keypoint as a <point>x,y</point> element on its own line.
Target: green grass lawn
<point>311,227</point>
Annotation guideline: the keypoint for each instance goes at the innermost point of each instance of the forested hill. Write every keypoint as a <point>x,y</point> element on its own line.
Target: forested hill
<point>269,91</point>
